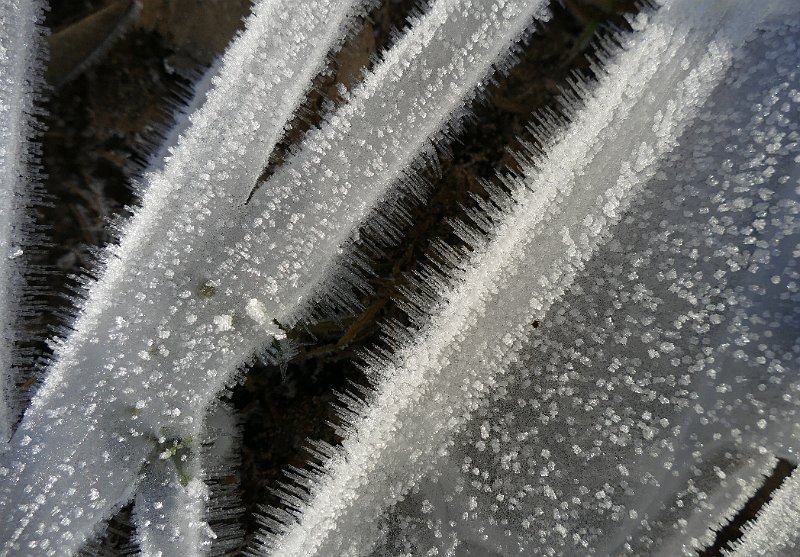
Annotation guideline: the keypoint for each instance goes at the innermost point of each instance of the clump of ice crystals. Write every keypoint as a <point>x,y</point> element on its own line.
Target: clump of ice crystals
<point>652,244</point>
<point>657,392</point>
<point>171,320</point>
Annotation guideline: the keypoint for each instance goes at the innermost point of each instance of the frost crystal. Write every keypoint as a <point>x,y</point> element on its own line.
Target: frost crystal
<point>775,532</point>
<point>131,342</point>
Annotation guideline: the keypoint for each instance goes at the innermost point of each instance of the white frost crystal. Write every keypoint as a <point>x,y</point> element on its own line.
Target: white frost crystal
<point>131,341</point>
<point>775,532</point>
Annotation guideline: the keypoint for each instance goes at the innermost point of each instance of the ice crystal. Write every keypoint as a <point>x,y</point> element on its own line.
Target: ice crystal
<point>658,389</point>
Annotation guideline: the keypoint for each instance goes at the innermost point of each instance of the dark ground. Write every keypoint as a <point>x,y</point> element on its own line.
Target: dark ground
<point>113,93</point>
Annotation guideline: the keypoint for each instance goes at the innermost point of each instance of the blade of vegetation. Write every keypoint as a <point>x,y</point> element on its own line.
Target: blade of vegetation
<point>650,401</point>
<point>170,507</point>
<point>393,122</point>
<point>20,52</point>
<point>542,234</point>
<point>79,416</point>
<point>195,286</point>
<point>186,500</point>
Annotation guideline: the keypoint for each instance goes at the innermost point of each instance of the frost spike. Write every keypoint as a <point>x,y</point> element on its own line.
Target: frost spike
<point>563,208</point>
<point>775,532</point>
<point>366,152</point>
